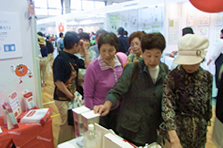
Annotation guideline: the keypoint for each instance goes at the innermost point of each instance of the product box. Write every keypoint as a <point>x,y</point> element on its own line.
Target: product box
<point>14,103</point>
<point>78,120</point>
<point>35,116</point>
<point>89,118</point>
<point>103,131</point>
<point>29,99</point>
<point>112,141</point>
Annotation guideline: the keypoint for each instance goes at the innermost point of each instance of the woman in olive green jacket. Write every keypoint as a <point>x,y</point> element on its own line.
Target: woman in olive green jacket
<point>141,84</point>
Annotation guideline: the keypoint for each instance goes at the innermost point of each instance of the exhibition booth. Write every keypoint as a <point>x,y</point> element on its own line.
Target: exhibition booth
<point>19,58</point>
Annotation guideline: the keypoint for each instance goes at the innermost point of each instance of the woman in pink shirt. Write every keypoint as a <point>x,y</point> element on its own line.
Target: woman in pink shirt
<point>101,75</point>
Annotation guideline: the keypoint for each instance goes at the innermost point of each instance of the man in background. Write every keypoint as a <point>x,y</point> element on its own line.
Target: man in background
<point>95,47</point>
<point>217,57</point>
<point>65,74</point>
<point>123,41</point>
<point>125,33</point>
<point>60,42</point>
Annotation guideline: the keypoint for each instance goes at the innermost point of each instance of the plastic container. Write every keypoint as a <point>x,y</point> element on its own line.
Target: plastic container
<point>91,138</point>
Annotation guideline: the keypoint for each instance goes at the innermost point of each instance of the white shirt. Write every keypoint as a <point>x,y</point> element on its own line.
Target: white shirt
<point>154,72</point>
<point>218,50</point>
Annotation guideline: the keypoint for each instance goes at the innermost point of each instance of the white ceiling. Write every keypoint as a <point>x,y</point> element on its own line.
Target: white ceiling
<point>114,1</point>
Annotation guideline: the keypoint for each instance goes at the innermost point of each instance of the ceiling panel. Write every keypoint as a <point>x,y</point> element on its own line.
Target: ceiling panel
<point>114,1</point>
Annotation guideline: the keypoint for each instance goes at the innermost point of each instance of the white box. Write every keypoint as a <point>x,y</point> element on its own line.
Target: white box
<point>78,120</point>
<point>103,131</point>
<point>89,118</point>
<point>112,141</point>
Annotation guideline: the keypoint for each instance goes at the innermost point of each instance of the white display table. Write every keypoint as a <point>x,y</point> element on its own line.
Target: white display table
<point>69,144</point>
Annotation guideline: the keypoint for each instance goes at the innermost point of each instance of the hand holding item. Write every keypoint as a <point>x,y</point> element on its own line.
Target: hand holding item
<point>104,109</point>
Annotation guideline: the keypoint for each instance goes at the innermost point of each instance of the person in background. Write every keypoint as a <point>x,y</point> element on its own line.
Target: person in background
<point>44,60</point>
<point>60,43</point>
<point>135,46</point>
<point>80,30</point>
<point>185,30</point>
<point>95,47</point>
<point>217,57</point>
<point>102,74</point>
<point>141,84</point>
<point>123,41</point>
<point>65,73</point>
<point>92,55</point>
<point>125,33</point>
<point>187,94</point>
<point>49,44</point>
<point>93,37</point>
<point>217,135</point>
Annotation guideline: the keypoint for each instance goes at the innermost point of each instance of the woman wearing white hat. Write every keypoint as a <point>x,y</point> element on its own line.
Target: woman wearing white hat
<point>187,91</point>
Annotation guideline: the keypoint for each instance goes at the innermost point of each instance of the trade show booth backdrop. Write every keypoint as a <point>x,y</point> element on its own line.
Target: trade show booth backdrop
<point>18,52</point>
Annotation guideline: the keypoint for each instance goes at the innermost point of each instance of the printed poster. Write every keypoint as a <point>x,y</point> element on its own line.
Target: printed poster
<point>10,36</point>
<point>203,31</point>
<point>204,20</point>
<point>173,33</point>
<point>219,19</point>
<point>114,22</point>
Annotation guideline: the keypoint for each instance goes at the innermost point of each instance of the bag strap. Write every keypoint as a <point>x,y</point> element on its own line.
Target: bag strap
<point>120,60</point>
<point>135,71</point>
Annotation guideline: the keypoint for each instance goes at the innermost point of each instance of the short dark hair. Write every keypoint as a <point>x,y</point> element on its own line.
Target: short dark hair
<point>121,30</point>
<point>222,30</point>
<point>61,34</point>
<point>100,31</point>
<point>108,38</point>
<point>80,29</point>
<point>125,32</point>
<point>84,35</point>
<point>137,34</point>
<point>71,38</point>
<point>40,34</point>
<point>153,40</point>
<point>187,30</point>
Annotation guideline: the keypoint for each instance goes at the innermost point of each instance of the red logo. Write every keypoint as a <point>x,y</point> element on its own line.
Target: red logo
<point>27,95</point>
<point>31,113</point>
<point>30,99</point>
<point>14,95</point>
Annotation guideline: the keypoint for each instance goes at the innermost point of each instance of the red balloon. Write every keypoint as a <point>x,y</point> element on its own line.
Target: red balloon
<point>210,6</point>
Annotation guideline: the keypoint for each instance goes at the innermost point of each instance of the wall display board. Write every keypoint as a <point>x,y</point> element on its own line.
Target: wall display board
<point>219,19</point>
<point>173,31</point>
<point>113,22</point>
<point>10,37</point>
<point>190,20</point>
<point>151,19</point>
<point>204,19</point>
<point>203,31</point>
<point>217,34</point>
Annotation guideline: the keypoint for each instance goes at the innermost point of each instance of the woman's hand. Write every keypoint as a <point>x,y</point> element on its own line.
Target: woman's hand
<point>104,109</point>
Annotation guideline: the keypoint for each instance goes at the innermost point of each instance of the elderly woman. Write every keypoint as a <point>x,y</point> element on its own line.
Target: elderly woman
<point>187,91</point>
<point>141,85</point>
<point>101,75</point>
<point>135,46</point>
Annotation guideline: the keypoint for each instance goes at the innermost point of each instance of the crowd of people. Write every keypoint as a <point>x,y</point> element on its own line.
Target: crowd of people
<point>123,80</point>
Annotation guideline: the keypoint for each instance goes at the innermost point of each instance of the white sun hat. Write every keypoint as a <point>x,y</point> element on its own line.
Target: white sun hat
<point>191,49</point>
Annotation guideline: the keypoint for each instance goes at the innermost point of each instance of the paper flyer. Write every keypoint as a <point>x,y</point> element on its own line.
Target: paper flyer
<point>14,103</point>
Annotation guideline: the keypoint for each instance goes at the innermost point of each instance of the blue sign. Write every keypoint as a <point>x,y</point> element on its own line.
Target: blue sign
<point>9,48</point>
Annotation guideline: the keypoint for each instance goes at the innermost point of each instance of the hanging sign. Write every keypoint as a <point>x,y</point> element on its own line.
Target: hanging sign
<point>10,36</point>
